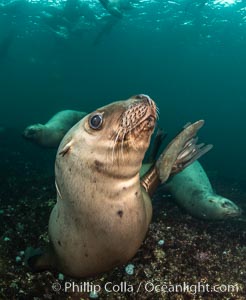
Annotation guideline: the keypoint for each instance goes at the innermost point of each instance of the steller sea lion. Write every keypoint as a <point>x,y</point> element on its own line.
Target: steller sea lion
<point>103,209</point>
<point>116,7</point>
<point>51,133</point>
<point>192,190</point>
<point>113,7</point>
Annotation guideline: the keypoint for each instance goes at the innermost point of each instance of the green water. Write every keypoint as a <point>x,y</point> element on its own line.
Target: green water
<point>189,56</point>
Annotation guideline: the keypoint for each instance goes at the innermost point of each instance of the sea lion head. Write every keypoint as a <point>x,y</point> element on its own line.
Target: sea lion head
<point>114,138</point>
<point>223,207</point>
<point>33,132</point>
<point>215,207</point>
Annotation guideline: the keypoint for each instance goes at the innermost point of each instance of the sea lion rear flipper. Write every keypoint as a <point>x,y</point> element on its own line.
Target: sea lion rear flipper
<point>36,259</point>
<point>181,152</point>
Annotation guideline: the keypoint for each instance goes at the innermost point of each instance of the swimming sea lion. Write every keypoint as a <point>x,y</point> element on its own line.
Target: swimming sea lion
<point>103,210</point>
<point>192,190</point>
<point>116,7</point>
<point>51,133</point>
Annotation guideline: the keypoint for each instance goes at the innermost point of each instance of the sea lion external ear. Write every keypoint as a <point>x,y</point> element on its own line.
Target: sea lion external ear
<point>66,148</point>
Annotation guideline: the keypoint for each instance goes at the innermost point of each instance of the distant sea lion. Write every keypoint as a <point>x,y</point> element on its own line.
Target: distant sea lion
<point>103,210</point>
<point>51,133</point>
<point>116,7</point>
<point>192,190</point>
<point>113,7</point>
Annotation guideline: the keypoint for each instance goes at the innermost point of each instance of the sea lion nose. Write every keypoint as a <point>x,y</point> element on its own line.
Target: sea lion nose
<point>145,98</point>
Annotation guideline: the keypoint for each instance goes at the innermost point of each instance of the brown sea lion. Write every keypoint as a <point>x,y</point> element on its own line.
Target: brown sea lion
<point>103,209</point>
<point>51,133</point>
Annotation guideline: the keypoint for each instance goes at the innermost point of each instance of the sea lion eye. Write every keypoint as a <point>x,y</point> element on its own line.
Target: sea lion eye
<point>95,121</point>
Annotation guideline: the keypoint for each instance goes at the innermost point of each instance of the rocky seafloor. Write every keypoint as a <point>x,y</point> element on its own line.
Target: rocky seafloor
<point>179,252</point>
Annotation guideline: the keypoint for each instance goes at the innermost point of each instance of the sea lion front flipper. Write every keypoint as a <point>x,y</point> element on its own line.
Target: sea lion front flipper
<point>37,260</point>
<point>181,152</point>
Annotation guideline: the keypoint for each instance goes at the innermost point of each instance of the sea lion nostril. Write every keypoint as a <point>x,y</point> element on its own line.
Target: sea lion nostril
<point>151,122</point>
<point>151,119</point>
<point>144,98</point>
<point>138,96</point>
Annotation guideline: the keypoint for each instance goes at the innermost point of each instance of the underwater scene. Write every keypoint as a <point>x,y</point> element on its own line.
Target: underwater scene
<point>122,143</point>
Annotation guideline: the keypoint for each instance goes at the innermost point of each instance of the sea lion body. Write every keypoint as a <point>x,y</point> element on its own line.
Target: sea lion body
<point>95,241</point>
<point>102,213</point>
<point>192,190</point>
<point>51,133</point>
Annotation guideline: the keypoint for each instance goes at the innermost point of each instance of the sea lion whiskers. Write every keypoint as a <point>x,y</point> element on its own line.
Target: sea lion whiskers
<point>157,112</point>
<point>118,142</point>
<point>115,140</point>
<point>122,146</point>
<point>123,132</point>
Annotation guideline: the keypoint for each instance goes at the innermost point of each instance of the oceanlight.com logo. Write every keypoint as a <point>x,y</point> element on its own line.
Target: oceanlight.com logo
<point>193,289</point>
<point>148,287</point>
